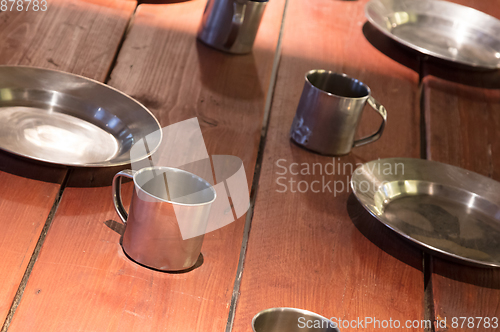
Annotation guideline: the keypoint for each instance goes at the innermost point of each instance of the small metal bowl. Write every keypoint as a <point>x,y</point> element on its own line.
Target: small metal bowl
<point>291,320</point>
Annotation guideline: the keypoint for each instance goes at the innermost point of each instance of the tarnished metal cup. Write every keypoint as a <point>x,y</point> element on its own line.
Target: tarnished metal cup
<point>291,320</point>
<point>231,25</point>
<point>329,111</point>
<point>167,205</point>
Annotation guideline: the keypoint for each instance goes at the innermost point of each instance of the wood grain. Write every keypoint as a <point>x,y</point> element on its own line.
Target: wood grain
<point>462,108</point>
<point>69,36</point>
<point>75,36</point>
<point>462,130</point>
<point>462,125</point>
<point>321,251</point>
<point>82,280</point>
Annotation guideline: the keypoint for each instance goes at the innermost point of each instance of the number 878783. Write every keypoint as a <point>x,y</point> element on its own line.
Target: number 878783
<point>23,5</point>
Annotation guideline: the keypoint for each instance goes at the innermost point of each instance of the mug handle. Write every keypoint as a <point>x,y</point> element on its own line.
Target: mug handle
<point>117,197</point>
<point>239,7</point>
<point>383,113</point>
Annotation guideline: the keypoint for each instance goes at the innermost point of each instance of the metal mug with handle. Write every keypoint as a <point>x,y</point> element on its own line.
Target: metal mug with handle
<point>167,205</point>
<point>329,111</point>
<point>231,25</point>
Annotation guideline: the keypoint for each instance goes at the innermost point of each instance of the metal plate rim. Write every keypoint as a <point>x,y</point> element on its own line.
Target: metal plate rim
<point>424,50</point>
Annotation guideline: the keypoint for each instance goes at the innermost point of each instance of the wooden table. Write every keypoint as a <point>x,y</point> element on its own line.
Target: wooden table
<point>62,267</point>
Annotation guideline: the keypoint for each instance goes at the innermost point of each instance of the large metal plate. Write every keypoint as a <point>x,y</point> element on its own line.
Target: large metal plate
<point>444,208</point>
<point>70,120</point>
<point>442,29</point>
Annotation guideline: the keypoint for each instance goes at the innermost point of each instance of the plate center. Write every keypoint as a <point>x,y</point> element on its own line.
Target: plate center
<point>54,137</point>
<point>446,218</point>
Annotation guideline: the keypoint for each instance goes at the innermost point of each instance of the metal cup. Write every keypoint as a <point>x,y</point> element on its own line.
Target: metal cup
<point>329,112</point>
<point>231,25</point>
<point>167,204</point>
<point>291,320</point>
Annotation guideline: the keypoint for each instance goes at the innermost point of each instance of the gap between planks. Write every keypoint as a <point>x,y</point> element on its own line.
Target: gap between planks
<point>36,252</point>
<point>120,44</point>
<point>429,314</point>
<point>427,262</point>
<point>256,177</point>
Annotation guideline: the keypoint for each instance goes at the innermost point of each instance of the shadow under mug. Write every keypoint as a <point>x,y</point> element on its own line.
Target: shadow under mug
<point>329,111</point>
<point>167,206</point>
<point>291,320</point>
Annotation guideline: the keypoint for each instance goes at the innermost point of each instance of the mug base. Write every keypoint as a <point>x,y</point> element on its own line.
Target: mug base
<point>196,265</point>
<point>327,154</point>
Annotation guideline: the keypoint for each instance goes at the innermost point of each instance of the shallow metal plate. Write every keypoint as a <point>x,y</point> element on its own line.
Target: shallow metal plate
<point>442,29</point>
<point>70,120</point>
<point>444,208</point>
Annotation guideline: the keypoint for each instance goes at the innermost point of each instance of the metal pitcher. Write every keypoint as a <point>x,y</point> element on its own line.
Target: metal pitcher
<point>231,25</point>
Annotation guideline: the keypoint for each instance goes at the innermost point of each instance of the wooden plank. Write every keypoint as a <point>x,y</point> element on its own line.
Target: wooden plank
<point>69,36</point>
<point>462,123</point>
<point>321,251</point>
<point>75,36</point>
<point>82,280</point>
<point>462,130</point>
<point>462,108</point>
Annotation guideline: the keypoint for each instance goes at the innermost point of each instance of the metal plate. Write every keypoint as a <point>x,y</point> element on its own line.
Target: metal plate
<point>442,29</point>
<point>444,208</point>
<point>70,120</point>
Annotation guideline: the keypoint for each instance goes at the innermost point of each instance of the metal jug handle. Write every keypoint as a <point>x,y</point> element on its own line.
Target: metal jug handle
<point>117,198</point>
<point>239,7</point>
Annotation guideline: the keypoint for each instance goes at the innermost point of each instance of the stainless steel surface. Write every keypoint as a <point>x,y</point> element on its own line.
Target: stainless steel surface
<point>231,25</point>
<point>153,234</point>
<point>442,29</point>
<point>329,112</point>
<point>444,208</point>
<point>291,320</point>
<point>67,119</point>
